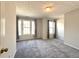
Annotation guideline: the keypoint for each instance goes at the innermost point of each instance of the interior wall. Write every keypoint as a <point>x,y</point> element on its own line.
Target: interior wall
<point>72,28</point>
<point>60,27</point>
<point>8,28</point>
<point>39,28</point>
<point>45,28</point>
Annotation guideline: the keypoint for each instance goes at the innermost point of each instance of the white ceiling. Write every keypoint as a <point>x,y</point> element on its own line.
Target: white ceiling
<point>35,8</point>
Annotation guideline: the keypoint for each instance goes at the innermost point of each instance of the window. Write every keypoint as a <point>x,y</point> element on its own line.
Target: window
<point>51,27</point>
<point>19,27</point>
<point>26,27</point>
<point>33,27</point>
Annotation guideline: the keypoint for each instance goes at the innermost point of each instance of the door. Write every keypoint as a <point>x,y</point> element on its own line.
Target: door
<point>8,29</point>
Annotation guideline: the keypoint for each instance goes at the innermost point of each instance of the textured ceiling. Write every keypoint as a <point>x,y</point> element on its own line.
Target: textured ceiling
<point>35,8</point>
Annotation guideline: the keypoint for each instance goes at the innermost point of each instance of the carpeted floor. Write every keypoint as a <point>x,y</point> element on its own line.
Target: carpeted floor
<point>45,49</point>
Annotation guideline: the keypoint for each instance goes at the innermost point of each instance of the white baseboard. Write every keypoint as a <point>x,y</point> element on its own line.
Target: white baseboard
<point>71,46</point>
<point>14,54</point>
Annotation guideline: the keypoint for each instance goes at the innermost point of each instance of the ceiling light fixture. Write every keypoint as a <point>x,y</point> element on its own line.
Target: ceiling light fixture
<point>48,8</point>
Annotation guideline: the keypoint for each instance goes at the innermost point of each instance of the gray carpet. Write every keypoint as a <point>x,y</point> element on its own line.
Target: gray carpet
<point>45,49</point>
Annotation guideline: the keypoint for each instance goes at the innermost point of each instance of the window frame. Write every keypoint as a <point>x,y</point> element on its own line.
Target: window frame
<point>22,28</point>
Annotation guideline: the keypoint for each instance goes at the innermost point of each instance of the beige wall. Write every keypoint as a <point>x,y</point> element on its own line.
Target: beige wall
<point>72,28</point>
<point>39,28</point>
<point>8,28</point>
<point>44,33</point>
<point>60,27</point>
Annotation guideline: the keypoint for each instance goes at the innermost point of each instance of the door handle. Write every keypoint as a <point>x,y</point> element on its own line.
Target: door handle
<point>6,49</point>
<point>3,50</point>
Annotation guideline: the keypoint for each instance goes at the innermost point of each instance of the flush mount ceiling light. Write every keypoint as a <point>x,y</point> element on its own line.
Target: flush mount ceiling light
<point>48,8</point>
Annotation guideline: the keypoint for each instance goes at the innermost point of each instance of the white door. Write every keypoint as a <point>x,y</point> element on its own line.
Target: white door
<point>8,28</point>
